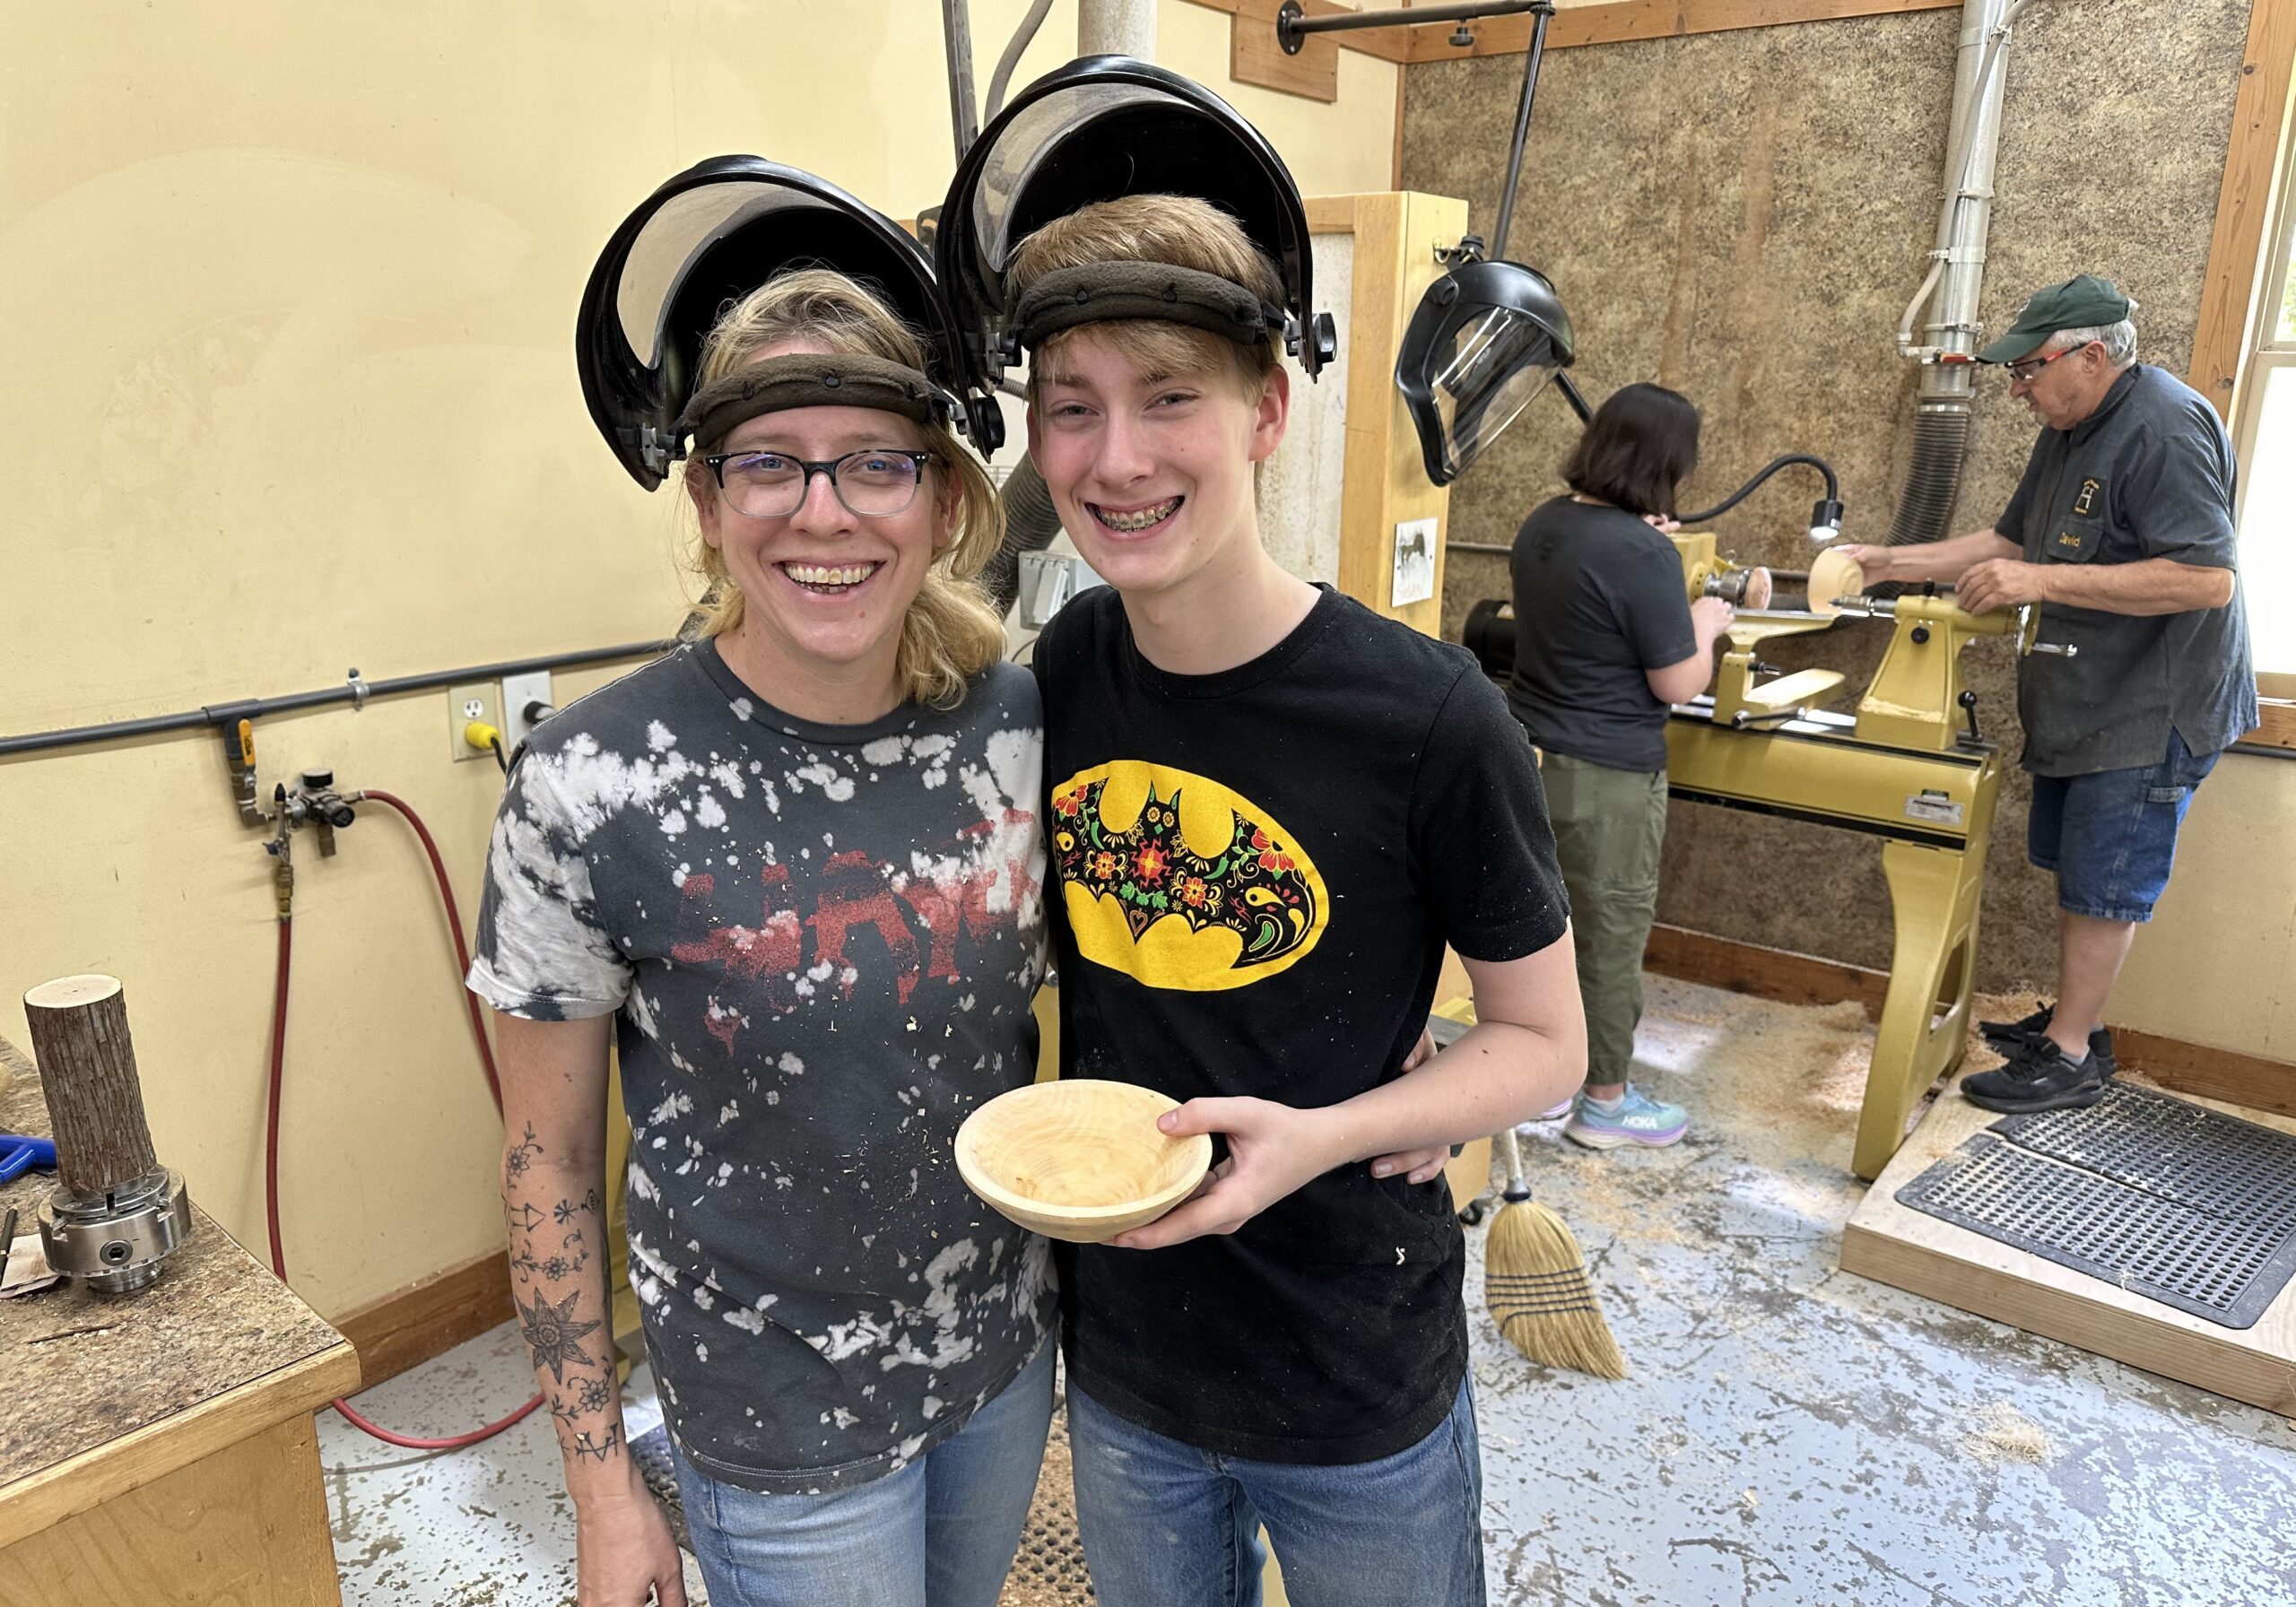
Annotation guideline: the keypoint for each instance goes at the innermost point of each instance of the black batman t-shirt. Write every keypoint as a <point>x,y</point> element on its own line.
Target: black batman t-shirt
<point>1259,869</point>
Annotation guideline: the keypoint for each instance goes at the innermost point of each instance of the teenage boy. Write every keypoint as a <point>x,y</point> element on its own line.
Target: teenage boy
<point>1271,809</point>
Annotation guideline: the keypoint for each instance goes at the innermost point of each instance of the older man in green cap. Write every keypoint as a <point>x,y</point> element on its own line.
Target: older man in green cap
<point>2120,533</point>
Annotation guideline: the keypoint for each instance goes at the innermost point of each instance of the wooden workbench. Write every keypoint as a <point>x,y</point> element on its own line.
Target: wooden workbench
<point>160,1449</point>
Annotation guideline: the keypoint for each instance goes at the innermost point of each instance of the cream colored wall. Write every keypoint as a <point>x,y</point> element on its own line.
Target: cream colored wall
<point>2217,965</point>
<point>289,292</point>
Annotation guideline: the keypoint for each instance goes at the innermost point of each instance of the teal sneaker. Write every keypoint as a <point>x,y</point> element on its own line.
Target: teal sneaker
<point>1530,1129</point>
<point>1638,1119</point>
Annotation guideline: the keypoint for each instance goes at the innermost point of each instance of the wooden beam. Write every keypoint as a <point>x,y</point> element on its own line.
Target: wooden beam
<point>1383,484</point>
<point>1254,55</point>
<point>1388,44</point>
<point>408,1327</point>
<point>2237,1079</point>
<point>1331,215</point>
<point>1626,19</point>
<point>2229,297</point>
<point>1763,973</point>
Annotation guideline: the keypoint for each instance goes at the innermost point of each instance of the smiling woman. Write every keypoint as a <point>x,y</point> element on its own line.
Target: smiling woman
<point>837,541</point>
<point>745,868</point>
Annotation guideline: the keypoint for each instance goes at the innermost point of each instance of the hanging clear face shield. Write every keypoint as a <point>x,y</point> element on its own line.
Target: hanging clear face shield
<point>1486,338</point>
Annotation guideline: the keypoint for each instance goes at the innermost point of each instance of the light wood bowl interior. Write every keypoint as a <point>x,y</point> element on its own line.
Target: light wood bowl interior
<point>1079,1160</point>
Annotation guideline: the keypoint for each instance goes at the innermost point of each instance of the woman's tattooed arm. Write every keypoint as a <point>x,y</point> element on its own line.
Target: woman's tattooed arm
<point>556,1215</point>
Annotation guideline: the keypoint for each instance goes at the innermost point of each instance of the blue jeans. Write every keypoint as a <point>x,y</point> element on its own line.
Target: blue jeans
<point>941,1532</point>
<point>2112,835</point>
<point>1165,1524</point>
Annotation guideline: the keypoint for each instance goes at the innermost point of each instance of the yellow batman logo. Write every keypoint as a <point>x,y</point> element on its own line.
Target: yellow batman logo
<point>1177,881</point>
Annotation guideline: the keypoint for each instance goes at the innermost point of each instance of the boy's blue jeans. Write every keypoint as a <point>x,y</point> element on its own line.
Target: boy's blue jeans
<point>941,1532</point>
<point>1165,1524</point>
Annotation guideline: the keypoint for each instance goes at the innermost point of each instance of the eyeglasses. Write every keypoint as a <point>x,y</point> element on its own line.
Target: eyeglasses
<point>874,484</point>
<point>2027,371</point>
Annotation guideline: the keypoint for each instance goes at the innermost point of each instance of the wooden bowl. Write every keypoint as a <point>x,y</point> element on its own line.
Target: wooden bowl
<point>1079,1160</point>
<point>1833,575</point>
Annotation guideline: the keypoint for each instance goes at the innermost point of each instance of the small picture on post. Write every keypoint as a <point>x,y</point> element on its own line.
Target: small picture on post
<point>1414,579</point>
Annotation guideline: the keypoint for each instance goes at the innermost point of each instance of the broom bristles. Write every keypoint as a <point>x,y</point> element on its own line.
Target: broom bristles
<point>1536,1283</point>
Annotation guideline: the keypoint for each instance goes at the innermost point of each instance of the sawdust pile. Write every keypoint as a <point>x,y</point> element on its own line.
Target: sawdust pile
<point>2005,1434</point>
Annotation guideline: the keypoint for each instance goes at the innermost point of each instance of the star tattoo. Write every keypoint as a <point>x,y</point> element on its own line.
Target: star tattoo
<point>552,1335</point>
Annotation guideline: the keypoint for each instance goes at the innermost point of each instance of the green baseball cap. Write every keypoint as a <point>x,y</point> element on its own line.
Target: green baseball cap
<point>2083,301</point>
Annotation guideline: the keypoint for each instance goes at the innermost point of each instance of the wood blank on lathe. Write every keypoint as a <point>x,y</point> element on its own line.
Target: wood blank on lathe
<point>87,1066</point>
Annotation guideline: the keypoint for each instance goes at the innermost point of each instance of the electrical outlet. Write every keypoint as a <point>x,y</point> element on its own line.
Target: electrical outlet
<point>467,703</point>
<point>520,692</point>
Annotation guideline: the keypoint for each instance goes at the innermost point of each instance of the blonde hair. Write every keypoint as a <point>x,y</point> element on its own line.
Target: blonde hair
<point>1180,231</point>
<point>951,633</point>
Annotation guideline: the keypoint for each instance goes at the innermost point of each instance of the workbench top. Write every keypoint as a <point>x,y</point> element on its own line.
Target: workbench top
<point>98,1395</point>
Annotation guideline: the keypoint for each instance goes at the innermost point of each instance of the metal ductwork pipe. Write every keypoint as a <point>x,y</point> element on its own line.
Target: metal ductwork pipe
<point>1941,416</point>
<point>1116,27</point>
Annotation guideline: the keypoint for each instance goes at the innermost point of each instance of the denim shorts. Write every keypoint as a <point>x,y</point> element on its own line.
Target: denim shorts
<point>2111,837</point>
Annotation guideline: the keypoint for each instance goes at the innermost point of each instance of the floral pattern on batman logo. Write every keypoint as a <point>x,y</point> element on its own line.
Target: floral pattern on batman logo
<point>1180,882</point>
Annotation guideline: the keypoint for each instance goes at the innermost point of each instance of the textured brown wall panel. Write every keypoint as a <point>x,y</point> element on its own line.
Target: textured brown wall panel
<point>1741,216</point>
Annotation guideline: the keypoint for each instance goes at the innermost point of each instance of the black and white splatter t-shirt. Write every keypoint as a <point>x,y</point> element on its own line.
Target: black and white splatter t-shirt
<point>822,942</point>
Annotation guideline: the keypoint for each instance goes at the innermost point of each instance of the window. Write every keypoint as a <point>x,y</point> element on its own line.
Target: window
<point>2265,434</point>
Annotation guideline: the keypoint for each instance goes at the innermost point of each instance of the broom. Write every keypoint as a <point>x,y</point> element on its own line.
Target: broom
<point>1535,1280</point>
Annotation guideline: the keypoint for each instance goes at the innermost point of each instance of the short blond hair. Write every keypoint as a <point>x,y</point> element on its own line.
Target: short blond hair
<point>1179,231</point>
<point>951,633</point>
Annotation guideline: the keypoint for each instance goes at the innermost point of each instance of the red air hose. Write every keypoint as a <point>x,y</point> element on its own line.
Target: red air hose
<point>271,1125</point>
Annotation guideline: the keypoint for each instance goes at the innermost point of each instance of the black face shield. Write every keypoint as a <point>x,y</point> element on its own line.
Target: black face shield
<point>1487,337</point>
<point>1097,129</point>
<point>708,237</point>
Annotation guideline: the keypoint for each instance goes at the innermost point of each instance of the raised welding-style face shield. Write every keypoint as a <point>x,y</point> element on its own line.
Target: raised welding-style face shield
<point>1487,337</point>
<point>1101,128</point>
<point>708,237</point>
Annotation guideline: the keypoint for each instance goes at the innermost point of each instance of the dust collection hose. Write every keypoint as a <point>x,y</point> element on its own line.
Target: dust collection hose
<point>1933,481</point>
<point>1030,522</point>
<point>270,1124</point>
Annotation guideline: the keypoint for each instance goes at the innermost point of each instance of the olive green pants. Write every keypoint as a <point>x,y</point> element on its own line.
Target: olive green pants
<point>1609,825</point>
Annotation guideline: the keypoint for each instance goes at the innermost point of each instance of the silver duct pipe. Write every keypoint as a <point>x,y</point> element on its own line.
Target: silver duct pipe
<point>1941,424</point>
<point>956,42</point>
<point>1116,27</point>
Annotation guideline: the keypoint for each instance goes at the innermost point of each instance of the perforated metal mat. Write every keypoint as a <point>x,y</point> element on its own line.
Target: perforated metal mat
<point>2179,1203</point>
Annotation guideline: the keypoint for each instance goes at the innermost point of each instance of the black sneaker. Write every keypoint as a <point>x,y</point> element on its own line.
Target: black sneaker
<point>2001,1034</point>
<point>2038,1077</point>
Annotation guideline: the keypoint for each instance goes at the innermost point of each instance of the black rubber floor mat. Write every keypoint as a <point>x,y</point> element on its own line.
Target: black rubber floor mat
<point>651,1452</point>
<point>2177,1202</point>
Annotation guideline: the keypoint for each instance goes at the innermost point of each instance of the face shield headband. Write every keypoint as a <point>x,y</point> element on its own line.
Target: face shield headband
<point>808,380</point>
<point>1113,292</point>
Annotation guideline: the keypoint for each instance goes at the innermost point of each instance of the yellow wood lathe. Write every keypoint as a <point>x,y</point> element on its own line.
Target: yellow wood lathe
<point>1908,766</point>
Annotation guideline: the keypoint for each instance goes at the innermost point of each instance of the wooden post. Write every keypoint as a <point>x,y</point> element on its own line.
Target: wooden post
<point>87,1067</point>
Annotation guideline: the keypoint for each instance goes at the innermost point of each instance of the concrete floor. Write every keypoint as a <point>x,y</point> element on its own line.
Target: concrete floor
<point>1794,1436</point>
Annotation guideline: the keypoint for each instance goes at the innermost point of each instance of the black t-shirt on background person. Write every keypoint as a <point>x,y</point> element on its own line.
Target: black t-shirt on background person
<point>1598,599</point>
<point>1259,870</point>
